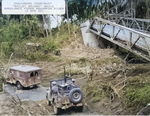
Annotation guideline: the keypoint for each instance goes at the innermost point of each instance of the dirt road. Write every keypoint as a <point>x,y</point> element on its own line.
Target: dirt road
<point>33,94</point>
<point>31,101</point>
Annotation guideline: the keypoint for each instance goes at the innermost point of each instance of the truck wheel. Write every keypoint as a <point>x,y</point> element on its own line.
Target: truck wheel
<point>75,95</point>
<point>56,110</point>
<point>19,86</point>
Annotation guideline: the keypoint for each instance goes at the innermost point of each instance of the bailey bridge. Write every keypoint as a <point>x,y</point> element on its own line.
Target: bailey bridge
<point>121,29</point>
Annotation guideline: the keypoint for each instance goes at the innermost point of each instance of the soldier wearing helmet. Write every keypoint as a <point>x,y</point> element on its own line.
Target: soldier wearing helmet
<point>54,87</point>
<point>73,80</point>
<point>53,83</point>
<point>72,85</point>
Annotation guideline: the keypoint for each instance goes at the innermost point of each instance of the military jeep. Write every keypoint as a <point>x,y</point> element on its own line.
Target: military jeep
<point>24,76</point>
<point>65,95</point>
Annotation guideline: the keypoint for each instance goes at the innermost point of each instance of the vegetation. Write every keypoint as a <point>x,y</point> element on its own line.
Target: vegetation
<point>17,31</point>
<point>47,46</point>
<point>87,9</point>
<point>97,91</point>
<point>16,34</point>
<point>108,60</point>
<point>137,93</point>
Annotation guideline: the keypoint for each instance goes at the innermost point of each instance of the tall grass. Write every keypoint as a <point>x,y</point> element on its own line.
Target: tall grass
<point>97,91</point>
<point>137,93</point>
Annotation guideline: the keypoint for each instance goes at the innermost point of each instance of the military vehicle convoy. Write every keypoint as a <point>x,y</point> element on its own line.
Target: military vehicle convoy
<point>62,93</point>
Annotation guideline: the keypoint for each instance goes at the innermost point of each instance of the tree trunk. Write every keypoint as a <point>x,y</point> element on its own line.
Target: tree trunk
<point>105,7</point>
<point>67,17</point>
<point>58,23</point>
<point>29,29</point>
<point>148,9</point>
<point>49,25</point>
<point>45,22</point>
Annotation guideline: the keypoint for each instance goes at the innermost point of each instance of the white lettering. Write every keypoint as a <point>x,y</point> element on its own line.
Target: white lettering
<point>33,7</point>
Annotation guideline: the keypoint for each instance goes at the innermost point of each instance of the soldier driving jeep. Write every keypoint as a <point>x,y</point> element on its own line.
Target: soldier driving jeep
<point>63,93</point>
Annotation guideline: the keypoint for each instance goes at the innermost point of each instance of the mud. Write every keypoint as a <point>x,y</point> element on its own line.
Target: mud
<point>33,94</point>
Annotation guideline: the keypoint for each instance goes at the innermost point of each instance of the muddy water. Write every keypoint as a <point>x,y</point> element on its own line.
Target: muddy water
<point>33,94</point>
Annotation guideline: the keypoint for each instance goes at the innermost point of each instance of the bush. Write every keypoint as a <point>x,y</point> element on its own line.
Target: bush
<point>7,48</point>
<point>25,30</point>
<point>138,94</point>
<point>49,45</point>
<point>12,32</point>
<point>97,91</point>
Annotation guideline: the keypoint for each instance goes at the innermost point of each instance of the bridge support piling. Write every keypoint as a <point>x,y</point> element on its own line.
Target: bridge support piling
<point>90,39</point>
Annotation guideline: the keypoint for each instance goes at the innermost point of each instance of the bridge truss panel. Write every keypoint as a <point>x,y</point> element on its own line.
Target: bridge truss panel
<point>127,38</point>
<point>142,25</point>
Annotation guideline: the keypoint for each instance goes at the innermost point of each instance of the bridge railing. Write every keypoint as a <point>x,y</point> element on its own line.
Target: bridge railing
<point>136,23</point>
<point>130,39</point>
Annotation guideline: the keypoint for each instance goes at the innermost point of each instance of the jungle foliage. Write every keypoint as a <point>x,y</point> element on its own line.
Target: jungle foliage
<point>87,9</point>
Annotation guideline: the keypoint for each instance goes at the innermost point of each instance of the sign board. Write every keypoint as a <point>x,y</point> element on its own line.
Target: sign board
<point>33,7</point>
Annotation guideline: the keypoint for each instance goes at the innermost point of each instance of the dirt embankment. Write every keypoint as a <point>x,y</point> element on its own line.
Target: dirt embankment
<point>100,73</point>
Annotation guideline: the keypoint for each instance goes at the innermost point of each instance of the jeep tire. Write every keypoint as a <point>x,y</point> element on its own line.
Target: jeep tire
<point>75,95</point>
<point>19,86</point>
